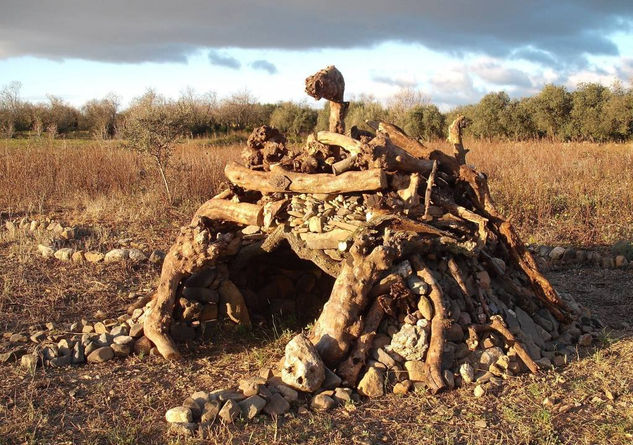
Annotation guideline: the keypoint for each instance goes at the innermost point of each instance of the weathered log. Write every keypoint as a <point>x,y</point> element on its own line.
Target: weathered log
<point>415,147</point>
<point>325,263</point>
<point>331,333</point>
<point>378,153</point>
<point>192,250</point>
<point>439,326</point>
<point>351,367</point>
<point>336,121</point>
<point>498,325</point>
<point>428,192</point>
<point>455,138</point>
<point>344,165</point>
<point>280,180</point>
<point>325,240</point>
<point>352,146</point>
<point>226,210</point>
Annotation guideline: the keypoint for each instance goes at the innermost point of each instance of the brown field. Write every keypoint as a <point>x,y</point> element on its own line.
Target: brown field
<point>569,193</point>
<point>576,194</point>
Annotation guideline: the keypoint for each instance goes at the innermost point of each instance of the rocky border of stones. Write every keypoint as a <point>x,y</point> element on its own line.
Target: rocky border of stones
<point>82,342</point>
<point>70,233</point>
<point>551,257</point>
<point>275,391</point>
<point>265,394</point>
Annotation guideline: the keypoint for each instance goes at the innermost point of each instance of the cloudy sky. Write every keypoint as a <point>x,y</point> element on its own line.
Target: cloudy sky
<point>453,50</point>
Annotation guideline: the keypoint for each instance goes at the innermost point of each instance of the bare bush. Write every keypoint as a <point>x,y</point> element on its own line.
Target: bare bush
<point>152,126</point>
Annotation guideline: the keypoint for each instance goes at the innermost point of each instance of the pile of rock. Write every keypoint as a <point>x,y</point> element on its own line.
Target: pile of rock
<point>52,227</point>
<point>303,383</point>
<point>65,244</point>
<point>79,343</point>
<point>118,255</point>
<point>552,257</point>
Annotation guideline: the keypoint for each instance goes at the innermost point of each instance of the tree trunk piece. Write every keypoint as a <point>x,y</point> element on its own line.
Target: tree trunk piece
<point>331,333</point>
<point>429,191</point>
<point>338,111</point>
<point>279,180</point>
<point>455,138</point>
<point>226,210</point>
<point>415,148</point>
<point>194,248</point>
<point>351,367</point>
<point>439,326</point>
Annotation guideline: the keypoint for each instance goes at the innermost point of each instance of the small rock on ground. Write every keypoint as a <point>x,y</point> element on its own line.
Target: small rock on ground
<point>101,355</point>
<point>252,406</point>
<point>372,383</point>
<point>322,402</point>
<point>303,368</point>
<point>229,411</point>
<point>179,414</point>
<point>277,405</point>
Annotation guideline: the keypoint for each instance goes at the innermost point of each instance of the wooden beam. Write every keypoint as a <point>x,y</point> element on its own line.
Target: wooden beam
<point>279,180</point>
<point>226,210</point>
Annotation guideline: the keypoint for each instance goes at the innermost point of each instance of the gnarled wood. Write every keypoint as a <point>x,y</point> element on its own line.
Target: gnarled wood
<point>280,180</point>
<point>455,138</point>
<point>194,248</point>
<point>379,152</point>
<point>328,83</point>
<point>226,210</point>
<point>415,147</point>
<point>428,192</point>
<point>350,369</point>
<point>331,333</point>
<point>439,326</point>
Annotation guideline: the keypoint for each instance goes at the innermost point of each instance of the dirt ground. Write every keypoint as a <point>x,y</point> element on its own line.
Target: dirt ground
<point>124,401</point>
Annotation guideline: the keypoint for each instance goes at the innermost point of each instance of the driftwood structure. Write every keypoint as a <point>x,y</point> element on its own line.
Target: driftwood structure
<point>379,234</point>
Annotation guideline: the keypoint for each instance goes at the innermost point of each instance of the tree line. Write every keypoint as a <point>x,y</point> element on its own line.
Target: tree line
<point>591,112</point>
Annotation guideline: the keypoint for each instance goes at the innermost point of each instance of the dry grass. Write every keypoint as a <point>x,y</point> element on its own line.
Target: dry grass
<point>545,187</point>
<point>555,192</point>
<point>561,192</point>
<point>104,179</point>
